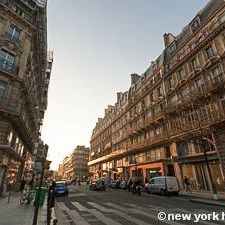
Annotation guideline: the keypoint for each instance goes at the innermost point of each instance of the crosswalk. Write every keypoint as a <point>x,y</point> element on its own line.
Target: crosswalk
<point>109,213</point>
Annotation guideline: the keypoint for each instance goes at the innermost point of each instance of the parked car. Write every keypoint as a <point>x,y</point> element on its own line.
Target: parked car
<point>98,185</point>
<point>163,185</point>
<point>61,188</point>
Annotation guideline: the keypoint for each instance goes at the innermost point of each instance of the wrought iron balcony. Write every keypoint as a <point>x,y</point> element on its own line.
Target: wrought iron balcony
<point>7,104</point>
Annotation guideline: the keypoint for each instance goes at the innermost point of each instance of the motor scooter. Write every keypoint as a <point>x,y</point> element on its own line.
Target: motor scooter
<point>136,189</point>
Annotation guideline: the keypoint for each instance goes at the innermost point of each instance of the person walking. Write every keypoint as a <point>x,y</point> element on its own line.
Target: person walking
<point>22,185</point>
<point>187,185</point>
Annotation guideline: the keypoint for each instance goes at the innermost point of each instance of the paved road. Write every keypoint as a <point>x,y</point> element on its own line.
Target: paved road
<point>118,207</point>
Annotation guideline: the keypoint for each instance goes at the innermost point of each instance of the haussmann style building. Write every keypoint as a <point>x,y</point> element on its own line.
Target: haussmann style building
<point>75,165</point>
<point>171,120</point>
<point>25,69</point>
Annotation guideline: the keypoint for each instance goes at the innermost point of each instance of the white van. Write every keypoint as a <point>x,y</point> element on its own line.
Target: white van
<point>163,185</point>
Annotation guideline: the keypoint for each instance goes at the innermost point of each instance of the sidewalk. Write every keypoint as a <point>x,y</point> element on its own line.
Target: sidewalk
<point>13,213</point>
<point>204,197</point>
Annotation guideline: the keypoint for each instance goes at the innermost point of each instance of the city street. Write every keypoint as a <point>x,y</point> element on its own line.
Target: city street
<point>119,207</point>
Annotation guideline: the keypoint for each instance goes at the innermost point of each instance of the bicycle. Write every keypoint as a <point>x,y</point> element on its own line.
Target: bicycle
<point>27,196</point>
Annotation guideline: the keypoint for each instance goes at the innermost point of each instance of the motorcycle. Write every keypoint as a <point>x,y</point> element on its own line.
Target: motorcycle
<point>136,189</point>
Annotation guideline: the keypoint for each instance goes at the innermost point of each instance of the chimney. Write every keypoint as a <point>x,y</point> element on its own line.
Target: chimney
<point>119,94</point>
<point>168,39</point>
<point>134,78</point>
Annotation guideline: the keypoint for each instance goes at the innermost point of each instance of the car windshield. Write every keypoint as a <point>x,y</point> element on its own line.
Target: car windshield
<point>60,184</point>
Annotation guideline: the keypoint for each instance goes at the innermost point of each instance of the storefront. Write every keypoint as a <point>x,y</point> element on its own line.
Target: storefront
<point>198,175</point>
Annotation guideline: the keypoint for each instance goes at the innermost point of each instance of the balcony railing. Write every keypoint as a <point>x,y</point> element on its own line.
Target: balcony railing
<point>8,104</point>
<point>8,67</point>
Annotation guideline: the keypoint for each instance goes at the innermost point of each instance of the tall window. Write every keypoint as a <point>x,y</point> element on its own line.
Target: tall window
<point>209,52</point>
<point>193,64</point>
<point>181,75</point>
<point>198,83</point>
<point>2,89</point>
<point>13,33</point>
<point>6,60</point>
<point>159,91</point>
<point>170,83</point>
<point>216,74</point>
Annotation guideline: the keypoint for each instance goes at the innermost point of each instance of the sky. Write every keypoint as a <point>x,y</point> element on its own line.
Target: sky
<point>97,44</point>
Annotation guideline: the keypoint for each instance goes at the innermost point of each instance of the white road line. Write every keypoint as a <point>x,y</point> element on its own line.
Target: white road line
<point>148,208</point>
<point>105,219</point>
<point>140,212</point>
<point>79,206</point>
<point>74,215</point>
<point>99,207</point>
<point>119,213</point>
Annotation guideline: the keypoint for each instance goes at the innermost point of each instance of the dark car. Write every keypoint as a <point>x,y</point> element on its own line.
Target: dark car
<point>98,185</point>
<point>61,188</point>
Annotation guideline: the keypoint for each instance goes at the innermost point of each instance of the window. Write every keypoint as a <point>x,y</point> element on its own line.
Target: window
<point>172,47</point>
<point>222,18</point>
<point>6,60</point>
<point>181,75</point>
<point>2,89</point>
<point>195,24</point>
<point>185,93</point>
<point>192,45</point>
<point>168,67</point>
<point>193,64</point>
<point>13,33</point>
<point>159,91</point>
<point>170,82</point>
<point>198,83</point>
<point>216,71</point>
<point>209,52</point>
<point>152,97</point>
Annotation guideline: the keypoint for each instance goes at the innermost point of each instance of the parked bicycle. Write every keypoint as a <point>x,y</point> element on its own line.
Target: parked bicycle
<point>27,197</point>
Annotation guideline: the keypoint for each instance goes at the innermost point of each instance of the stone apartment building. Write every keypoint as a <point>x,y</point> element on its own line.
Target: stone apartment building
<point>75,165</point>
<point>25,69</point>
<point>171,120</point>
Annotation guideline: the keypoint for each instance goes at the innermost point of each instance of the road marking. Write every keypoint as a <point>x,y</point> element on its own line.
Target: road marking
<point>99,207</point>
<point>141,212</point>
<point>74,215</point>
<point>79,206</point>
<point>105,219</point>
<point>119,213</point>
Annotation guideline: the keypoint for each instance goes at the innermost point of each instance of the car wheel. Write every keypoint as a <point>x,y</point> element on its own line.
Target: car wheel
<point>163,192</point>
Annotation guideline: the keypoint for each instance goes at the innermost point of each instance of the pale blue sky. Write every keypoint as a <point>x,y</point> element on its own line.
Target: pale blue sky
<point>97,45</point>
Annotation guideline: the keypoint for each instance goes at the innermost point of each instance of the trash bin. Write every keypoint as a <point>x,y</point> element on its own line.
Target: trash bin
<point>40,196</point>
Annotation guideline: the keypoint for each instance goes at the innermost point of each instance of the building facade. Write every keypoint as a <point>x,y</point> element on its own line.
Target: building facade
<point>25,69</point>
<point>171,120</point>
<point>75,165</point>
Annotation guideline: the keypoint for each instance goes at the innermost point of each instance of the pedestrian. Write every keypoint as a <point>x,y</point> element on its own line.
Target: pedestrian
<point>22,185</point>
<point>187,185</point>
<point>129,185</point>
